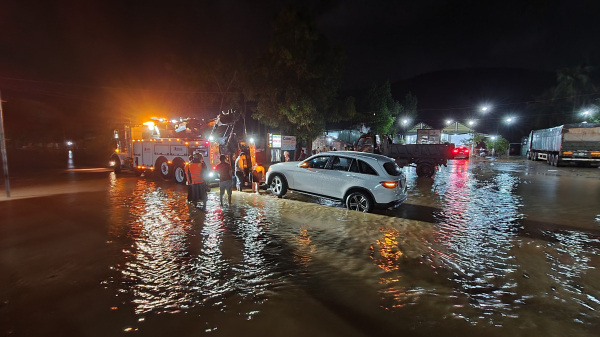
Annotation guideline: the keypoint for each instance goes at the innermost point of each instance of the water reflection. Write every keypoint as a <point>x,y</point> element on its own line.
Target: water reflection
<point>304,247</point>
<point>388,253</point>
<point>70,164</point>
<point>472,261</point>
<point>180,257</point>
<point>570,256</point>
<point>476,230</point>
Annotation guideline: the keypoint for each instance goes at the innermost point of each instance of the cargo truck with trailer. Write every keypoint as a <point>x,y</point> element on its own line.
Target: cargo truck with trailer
<point>577,143</point>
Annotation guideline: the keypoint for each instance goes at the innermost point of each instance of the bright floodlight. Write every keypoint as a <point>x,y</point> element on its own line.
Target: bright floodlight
<point>485,108</point>
<point>471,122</point>
<point>251,140</point>
<point>210,138</point>
<point>509,119</point>
<point>448,122</point>
<point>493,137</point>
<point>405,121</point>
<point>587,112</point>
<point>69,143</point>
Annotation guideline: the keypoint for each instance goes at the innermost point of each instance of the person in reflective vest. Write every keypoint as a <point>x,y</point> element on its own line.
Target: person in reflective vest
<point>194,171</point>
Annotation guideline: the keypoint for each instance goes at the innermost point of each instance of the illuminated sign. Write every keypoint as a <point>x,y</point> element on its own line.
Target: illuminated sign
<point>274,140</point>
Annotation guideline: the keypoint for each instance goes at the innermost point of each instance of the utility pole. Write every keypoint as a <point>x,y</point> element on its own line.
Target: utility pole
<point>3,148</point>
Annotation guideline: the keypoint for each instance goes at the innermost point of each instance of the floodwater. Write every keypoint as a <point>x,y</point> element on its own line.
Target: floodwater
<point>492,248</point>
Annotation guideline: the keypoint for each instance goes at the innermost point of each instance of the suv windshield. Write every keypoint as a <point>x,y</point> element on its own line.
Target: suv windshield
<point>392,168</point>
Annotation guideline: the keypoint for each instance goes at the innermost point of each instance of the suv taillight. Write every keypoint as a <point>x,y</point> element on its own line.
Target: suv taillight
<point>389,184</point>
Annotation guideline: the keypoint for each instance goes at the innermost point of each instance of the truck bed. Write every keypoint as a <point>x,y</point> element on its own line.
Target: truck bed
<point>431,151</point>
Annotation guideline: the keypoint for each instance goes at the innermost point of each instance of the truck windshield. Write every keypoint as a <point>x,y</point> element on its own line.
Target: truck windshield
<point>392,168</point>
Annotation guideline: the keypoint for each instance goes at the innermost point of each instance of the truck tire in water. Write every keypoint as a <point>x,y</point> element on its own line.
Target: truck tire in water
<point>163,168</point>
<point>179,172</point>
<point>425,170</point>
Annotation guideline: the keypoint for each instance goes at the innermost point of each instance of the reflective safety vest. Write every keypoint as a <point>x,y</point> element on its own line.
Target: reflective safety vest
<point>193,172</point>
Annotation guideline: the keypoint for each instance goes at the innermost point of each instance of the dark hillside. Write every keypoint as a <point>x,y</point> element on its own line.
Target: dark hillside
<point>457,94</point>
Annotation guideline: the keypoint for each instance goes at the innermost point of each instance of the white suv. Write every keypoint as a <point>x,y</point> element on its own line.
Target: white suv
<point>362,180</point>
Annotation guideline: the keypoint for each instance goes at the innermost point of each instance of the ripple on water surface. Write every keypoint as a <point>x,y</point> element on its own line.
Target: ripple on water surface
<point>470,264</point>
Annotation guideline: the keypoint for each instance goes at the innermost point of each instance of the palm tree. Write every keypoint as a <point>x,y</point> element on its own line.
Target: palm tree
<point>547,111</point>
<point>573,83</point>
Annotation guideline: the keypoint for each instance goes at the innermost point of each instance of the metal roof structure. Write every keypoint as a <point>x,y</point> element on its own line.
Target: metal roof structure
<point>457,128</point>
<point>418,126</point>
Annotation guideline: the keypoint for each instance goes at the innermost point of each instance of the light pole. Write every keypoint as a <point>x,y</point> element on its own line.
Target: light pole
<point>471,123</point>
<point>3,150</point>
<point>404,124</point>
<point>509,120</point>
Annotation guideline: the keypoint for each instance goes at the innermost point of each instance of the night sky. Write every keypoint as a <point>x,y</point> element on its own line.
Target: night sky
<point>89,44</point>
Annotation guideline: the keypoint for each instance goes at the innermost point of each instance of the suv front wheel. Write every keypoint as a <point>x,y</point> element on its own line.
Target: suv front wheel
<point>278,186</point>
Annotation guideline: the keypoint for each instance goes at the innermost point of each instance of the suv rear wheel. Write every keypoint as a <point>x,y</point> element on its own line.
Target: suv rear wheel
<point>359,201</point>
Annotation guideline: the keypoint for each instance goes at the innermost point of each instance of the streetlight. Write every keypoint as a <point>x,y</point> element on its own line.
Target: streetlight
<point>405,122</point>
<point>471,123</point>
<point>586,114</point>
<point>485,108</point>
<point>509,120</point>
<point>448,122</point>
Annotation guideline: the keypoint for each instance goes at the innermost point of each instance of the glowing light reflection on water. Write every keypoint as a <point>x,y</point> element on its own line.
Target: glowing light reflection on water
<point>162,273</point>
<point>472,262</point>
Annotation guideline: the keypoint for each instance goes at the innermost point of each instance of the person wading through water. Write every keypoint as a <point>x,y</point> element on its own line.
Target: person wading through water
<point>194,171</point>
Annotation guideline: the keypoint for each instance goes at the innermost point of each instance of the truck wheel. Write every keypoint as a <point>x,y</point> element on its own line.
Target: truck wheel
<point>163,168</point>
<point>179,173</point>
<point>278,186</point>
<point>425,170</point>
<point>555,161</point>
<point>359,201</point>
<point>117,167</point>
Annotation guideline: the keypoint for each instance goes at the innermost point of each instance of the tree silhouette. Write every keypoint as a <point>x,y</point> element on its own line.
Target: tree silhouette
<point>295,82</point>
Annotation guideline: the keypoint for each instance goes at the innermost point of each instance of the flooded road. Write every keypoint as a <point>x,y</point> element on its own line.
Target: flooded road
<point>490,248</point>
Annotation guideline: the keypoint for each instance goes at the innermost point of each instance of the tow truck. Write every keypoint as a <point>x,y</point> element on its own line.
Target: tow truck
<point>161,146</point>
<point>225,141</point>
